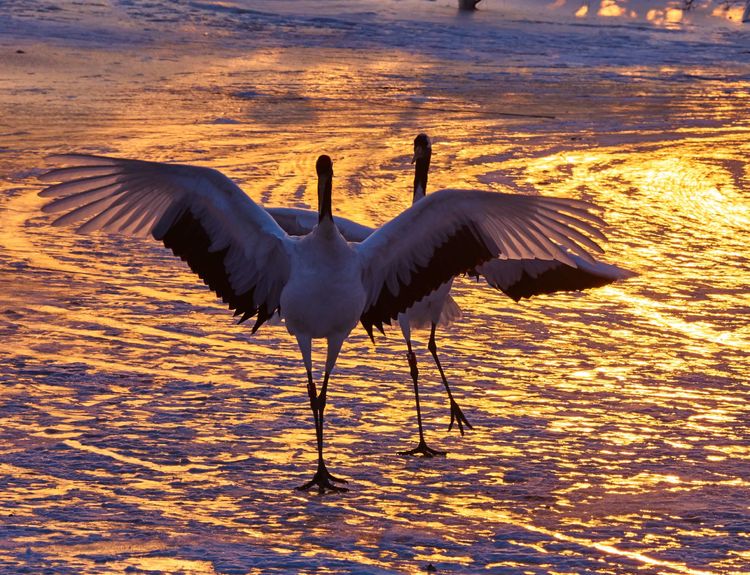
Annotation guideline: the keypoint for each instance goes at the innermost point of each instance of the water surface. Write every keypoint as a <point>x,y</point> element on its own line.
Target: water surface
<point>141,430</point>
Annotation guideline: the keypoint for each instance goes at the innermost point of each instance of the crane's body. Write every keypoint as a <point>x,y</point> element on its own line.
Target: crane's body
<point>324,295</point>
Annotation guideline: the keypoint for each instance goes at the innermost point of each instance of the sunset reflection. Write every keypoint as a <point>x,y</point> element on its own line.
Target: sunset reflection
<point>143,431</point>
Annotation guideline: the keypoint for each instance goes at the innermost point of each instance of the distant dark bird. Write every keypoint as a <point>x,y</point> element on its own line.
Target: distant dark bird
<point>468,4</point>
<point>518,279</point>
<point>321,284</point>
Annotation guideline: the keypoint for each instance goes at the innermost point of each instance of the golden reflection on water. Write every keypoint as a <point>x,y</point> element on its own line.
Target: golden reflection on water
<point>610,427</point>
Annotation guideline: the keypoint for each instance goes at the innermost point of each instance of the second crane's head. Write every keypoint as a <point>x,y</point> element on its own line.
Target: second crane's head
<point>421,160</point>
<point>324,167</point>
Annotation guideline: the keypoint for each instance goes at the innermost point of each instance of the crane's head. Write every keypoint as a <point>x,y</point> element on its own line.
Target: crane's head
<point>324,165</point>
<point>422,147</point>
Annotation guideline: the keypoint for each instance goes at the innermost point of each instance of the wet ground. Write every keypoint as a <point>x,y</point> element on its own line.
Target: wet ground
<point>142,431</point>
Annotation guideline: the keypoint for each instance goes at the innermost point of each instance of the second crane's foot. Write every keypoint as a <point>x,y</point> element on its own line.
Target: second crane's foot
<point>458,417</point>
<point>424,450</point>
<point>324,481</point>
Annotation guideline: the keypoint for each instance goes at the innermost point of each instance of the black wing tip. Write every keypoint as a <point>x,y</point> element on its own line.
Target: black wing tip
<point>246,316</point>
<point>510,293</point>
<point>368,324</point>
<point>263,317</point>
<point>561,279</point>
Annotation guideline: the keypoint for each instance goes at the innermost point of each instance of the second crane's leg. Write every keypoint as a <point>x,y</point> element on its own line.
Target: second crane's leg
<point>457,416</point>
<point>322,478</point>
<point>422,448</point>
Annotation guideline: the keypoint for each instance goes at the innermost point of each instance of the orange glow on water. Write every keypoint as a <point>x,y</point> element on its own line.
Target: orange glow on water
<point>610,424</point>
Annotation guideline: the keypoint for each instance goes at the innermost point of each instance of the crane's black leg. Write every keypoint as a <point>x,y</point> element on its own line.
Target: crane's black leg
<point>457,416</point>
<point>321,408</point>
<point>422,448</point>
<point>322,478</point>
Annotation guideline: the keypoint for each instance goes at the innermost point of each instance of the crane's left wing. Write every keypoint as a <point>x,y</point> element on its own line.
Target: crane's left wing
<point>453,231</point>
<point>526,278</point>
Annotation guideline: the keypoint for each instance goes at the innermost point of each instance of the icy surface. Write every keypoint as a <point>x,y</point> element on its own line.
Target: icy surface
<point>141,431</point>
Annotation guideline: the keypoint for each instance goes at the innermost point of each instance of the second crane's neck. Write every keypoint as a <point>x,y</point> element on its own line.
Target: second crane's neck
<point>325,212</point>
<point>422,168</point>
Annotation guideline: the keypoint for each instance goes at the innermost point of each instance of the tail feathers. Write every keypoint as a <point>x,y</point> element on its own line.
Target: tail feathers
<point>451,312</point>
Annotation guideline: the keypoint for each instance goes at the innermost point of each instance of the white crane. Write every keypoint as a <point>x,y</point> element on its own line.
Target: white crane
<point>522,278</point>
<point>321,284</point>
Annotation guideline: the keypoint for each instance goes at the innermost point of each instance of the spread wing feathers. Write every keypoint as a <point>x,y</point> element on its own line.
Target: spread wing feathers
<point>526,278</point>
<point>300,222</point>
<point>201,215</point>
<point>452,231</point>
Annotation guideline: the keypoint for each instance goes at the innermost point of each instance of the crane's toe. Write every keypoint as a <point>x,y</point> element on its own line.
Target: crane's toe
<point>458,417</point>
<point>424,450</point>
<point>324,482</point>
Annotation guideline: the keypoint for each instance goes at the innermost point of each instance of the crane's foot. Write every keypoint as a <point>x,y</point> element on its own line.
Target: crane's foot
<point>458,417</point>
<point>324,482</point>
<point>424,450</point>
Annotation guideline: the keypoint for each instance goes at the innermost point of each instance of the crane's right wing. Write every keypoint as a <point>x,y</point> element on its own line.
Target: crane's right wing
<point>235,247</point>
